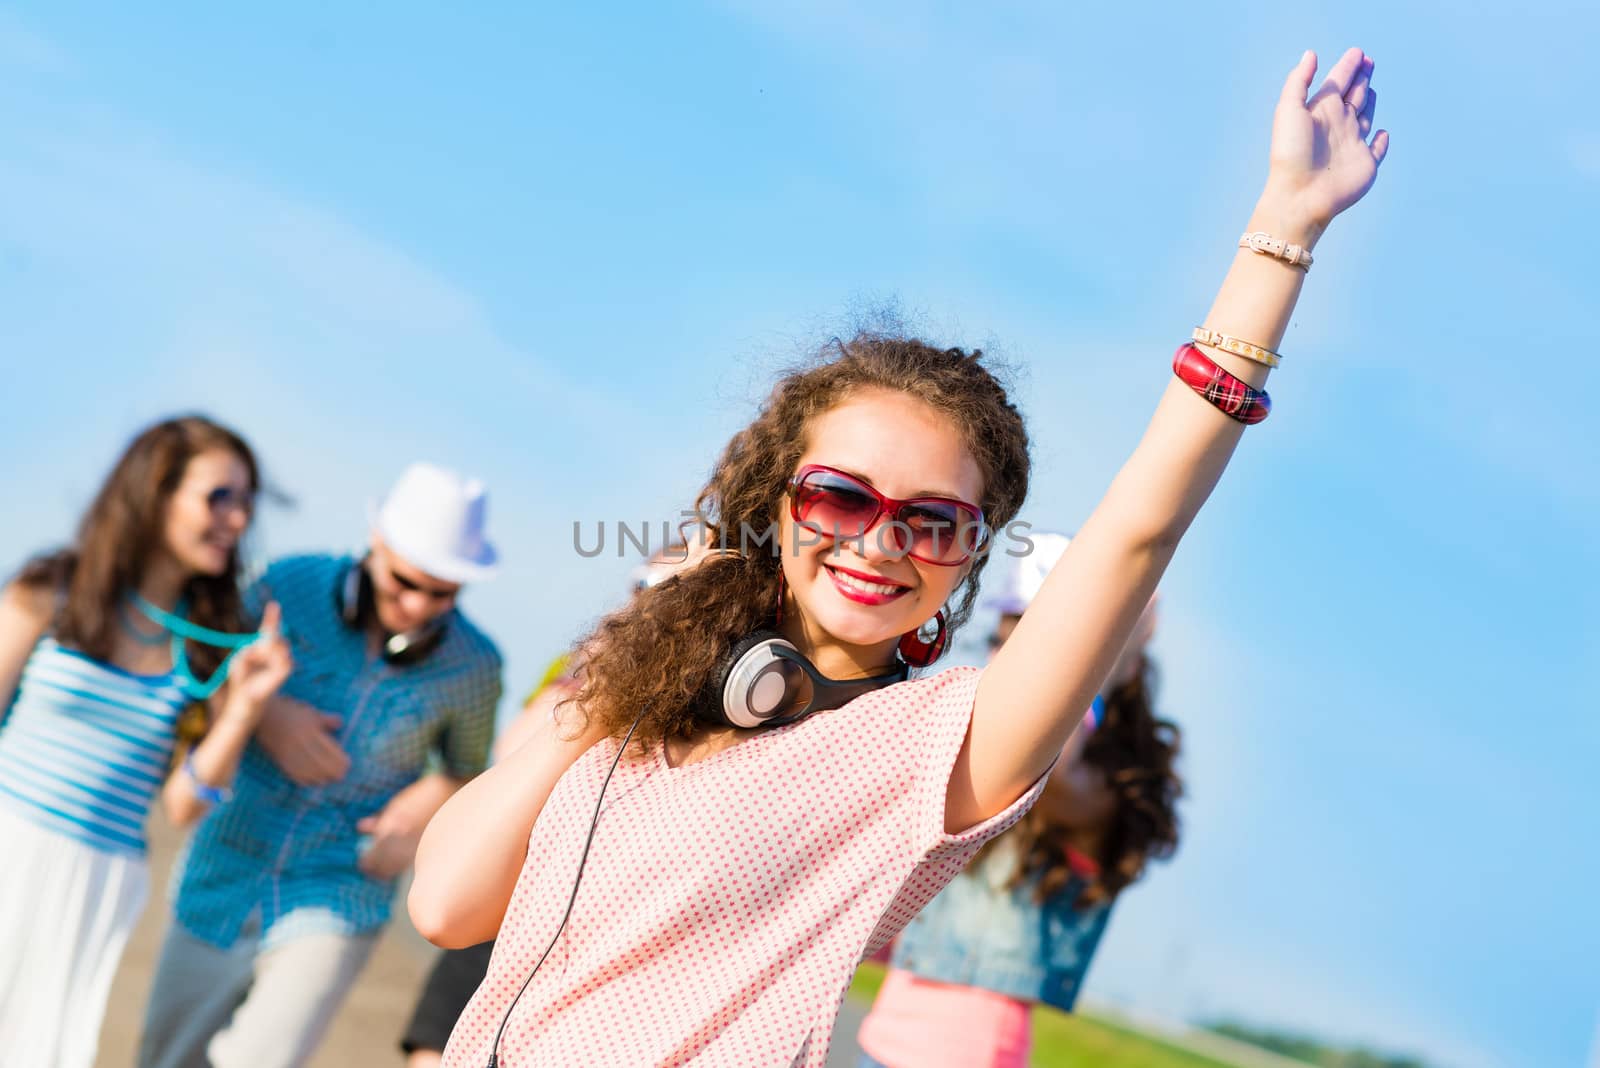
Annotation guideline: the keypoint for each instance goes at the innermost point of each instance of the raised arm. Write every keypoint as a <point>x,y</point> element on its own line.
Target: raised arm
<point>208,769</point>
<point>1033,693</point>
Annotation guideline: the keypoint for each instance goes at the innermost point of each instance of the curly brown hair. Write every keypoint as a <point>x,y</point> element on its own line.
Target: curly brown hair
<point>1136,752</point>
<point>661,652</point>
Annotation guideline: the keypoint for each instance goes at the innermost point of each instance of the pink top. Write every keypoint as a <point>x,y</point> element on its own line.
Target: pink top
<point>944,1025</point>
<point>727,902</point>
<point>922,1022</point>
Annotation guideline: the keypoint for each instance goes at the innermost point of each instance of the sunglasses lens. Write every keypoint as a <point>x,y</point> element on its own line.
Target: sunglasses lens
<point>837,505</point>
<point>412,586</point>
<point>941,532</point>
<point>226,497</point>
<point>935,530</point>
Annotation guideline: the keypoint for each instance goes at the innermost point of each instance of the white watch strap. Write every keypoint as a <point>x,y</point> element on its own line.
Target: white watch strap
<point>1264,243</point>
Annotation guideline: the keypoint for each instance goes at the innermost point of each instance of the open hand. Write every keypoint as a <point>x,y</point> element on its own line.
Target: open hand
<point>393,833</point>
<point>301,741</point>
<point>390,848</point>
<point>538,711</point>
<point>1322,161</point>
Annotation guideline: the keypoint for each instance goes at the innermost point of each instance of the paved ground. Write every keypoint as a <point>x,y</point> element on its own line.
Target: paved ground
<point>366,1031</point>
<point>368,1028</point>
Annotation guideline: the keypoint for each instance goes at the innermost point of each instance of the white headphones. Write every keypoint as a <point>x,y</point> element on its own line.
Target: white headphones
<point>767,682</point>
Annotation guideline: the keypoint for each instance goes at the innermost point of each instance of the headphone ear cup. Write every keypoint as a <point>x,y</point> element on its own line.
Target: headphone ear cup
<point>353,599</point>
<point>754,685</point>
<point>414,645</point>
<point>350,594</point>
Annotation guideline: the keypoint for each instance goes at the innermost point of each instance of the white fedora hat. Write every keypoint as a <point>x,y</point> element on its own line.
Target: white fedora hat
<point>1020,582</point>
<point>434,519</point>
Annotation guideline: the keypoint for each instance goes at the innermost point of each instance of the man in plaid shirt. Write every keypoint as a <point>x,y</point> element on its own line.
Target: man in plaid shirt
<point>282,892</point>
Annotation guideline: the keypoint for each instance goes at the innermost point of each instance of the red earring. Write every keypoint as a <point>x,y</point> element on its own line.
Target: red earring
<point>783,588</point>
<point>919,653</point>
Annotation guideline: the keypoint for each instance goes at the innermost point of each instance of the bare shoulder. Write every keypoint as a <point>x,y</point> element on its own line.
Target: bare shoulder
<point>27,604</point>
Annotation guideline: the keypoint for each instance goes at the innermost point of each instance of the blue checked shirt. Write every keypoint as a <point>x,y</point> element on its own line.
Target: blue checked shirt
<point>290,851</point>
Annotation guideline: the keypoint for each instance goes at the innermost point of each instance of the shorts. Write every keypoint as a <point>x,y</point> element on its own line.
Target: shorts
<point>454,979</point>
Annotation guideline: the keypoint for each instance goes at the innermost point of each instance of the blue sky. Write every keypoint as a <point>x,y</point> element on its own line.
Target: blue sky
<point>566,251</point>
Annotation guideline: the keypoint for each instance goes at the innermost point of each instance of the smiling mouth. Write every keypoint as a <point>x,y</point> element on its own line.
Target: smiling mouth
<point>861,588</point>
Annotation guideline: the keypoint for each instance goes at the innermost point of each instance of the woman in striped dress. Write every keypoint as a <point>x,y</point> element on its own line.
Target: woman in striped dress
<point>92,689</point>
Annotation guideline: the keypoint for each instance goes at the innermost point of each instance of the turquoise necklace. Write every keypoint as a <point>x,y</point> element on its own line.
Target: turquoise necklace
<point>183,631</point>
<point>143,637</point>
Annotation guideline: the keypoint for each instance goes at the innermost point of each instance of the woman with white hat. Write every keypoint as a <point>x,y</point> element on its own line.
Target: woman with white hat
<point>1020,926</point>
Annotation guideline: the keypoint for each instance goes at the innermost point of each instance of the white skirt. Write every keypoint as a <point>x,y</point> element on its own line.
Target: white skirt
<point>66,910</point>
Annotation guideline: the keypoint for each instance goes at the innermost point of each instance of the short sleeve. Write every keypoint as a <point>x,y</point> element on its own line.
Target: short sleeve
<point>469,730</point>
<point>942,728</point>
<point>938,857</point>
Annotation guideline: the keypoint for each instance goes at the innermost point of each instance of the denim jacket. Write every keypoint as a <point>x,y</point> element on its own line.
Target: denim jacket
<point>977,932</point>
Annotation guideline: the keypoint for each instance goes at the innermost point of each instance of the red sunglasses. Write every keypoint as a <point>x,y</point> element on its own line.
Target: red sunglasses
<point>934,530</point>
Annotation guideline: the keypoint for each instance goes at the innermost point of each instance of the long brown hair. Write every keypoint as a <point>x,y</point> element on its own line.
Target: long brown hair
<point>122,528</point>
<point>1136,752</point>
<point>658,654</point>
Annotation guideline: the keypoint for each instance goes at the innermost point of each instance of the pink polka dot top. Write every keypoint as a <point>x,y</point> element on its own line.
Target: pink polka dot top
<point>727,902</point>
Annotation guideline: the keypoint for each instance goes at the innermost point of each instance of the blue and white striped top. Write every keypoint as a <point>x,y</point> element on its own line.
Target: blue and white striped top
<point>86,746</point>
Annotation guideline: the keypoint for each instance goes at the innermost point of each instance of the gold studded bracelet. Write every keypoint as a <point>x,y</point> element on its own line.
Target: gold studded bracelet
<point>1218,340</point>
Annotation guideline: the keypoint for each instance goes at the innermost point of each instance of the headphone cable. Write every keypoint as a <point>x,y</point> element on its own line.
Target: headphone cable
<point>494,1051</point>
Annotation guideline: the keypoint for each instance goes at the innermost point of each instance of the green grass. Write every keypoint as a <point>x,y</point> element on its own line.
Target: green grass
<point>1073,1040</point>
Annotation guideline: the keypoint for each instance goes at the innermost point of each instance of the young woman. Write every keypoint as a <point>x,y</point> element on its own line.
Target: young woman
<point>1022,923</point>
<point>93,687</point>
<point>669,889</point>
<point>458,972</point>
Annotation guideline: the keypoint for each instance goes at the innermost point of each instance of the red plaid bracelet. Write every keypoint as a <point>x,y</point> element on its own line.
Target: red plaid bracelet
<point>1226,393</point>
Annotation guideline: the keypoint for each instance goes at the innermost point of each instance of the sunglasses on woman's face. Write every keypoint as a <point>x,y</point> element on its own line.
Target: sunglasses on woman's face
<point>934,530</point>
<point>226,498</point>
